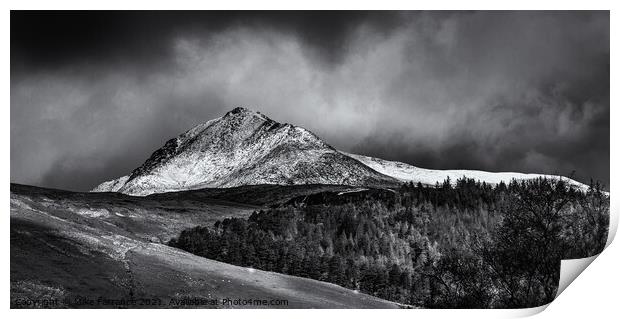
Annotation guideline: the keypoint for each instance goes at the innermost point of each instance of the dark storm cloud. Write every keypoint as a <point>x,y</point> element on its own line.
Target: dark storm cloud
<point>93,95</point>
<point>134,38</point>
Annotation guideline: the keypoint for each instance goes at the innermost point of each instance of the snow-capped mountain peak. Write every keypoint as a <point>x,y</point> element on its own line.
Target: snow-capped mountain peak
<point>243,147</point>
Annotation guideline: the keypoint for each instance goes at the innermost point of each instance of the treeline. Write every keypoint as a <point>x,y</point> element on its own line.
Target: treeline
<point>462,245</point>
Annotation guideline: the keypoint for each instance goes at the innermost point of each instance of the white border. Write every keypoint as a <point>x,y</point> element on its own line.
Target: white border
<point>593,294</point>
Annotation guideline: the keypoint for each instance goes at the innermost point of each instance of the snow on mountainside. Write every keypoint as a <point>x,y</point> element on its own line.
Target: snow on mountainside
<point>243,147</point>
<point>111,186</point>
<point>405,172</point>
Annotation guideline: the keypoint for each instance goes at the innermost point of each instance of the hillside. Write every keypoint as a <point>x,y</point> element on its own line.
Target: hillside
<point>66,245</point>
<point>409,173</point>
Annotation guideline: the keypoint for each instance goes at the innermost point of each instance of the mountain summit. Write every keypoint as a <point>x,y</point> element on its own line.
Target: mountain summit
<point>243,147</point>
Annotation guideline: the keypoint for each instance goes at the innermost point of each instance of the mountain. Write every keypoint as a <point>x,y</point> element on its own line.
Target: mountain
<point>245,147</point>
<point>409,173</point>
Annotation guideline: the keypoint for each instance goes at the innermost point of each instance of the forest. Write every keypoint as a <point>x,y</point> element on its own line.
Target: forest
<point>452,245</point>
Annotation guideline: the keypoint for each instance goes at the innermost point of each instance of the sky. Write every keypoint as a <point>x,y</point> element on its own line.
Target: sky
<point>94,94</point>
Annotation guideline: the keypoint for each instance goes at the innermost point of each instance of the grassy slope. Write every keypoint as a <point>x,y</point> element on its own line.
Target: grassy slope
<point>262,195</point>
<point>65,245</point>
